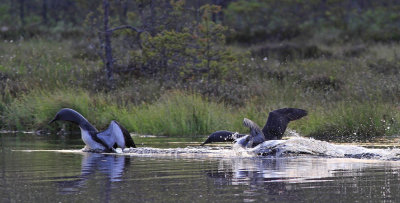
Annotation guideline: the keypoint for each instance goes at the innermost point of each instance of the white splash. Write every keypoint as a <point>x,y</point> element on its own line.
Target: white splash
<point>183,152</point>
<point>292,147</point>
<point>296,146</point>
<point>291,133</point>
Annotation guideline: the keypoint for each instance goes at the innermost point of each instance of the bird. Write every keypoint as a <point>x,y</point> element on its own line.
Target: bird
<point>106,141</point>
<point>273,130</point>
<point>222,136</point>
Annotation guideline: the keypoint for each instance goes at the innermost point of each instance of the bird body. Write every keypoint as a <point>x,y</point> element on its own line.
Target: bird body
<point>274,128</point>
<point>87,138</point>
<point>222,136</point>
<point>256,135</point>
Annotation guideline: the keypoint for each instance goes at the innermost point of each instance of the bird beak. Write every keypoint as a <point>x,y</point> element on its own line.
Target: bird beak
<point>52,121</point>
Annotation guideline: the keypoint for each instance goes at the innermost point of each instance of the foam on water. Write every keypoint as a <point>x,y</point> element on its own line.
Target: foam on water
<point>295,146</point>
<point>311,146</point>
<point>185,152</point>
<point>275,148</point>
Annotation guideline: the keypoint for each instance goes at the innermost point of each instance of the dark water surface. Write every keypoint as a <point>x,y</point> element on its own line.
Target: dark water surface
<point>50,176</point>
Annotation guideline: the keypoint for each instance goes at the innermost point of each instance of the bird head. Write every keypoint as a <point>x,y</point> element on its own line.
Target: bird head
<point>67,114</point>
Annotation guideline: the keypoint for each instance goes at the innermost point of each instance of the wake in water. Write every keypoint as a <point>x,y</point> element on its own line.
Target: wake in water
<point>295,146</point>
<point>292,147</point>
<point>310,146</point>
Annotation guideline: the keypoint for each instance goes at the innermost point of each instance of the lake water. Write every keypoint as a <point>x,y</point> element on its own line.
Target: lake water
<point>54,169</point>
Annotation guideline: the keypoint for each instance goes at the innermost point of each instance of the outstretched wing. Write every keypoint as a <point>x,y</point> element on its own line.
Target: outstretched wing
<point>279,119</point>
<point>254,129</point>
<point>109,135</point>
<point>116,134</point>
<point>256,135</point>
<point>127,136</point>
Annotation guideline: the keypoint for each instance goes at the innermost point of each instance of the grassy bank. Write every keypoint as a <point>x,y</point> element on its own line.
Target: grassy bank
<point>348,96</point>
<point>175,113</point>
<point>184,114</point>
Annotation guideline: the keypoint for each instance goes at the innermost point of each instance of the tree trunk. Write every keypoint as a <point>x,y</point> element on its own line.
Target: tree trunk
<point>107,46</point>
<point>152,19</point>
<point>197,10</point>
<point>21,11</point>
<point>44,11</point>
<point>124,12</point>
<point>214,15</point>
<point>12,9</point>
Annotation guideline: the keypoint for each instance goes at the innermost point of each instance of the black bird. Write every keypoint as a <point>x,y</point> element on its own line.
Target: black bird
<point>222,136</point>
<point>115,135</point>
<point>273,130</point>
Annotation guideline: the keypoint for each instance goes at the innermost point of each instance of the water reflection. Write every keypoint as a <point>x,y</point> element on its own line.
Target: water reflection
<point>290,170</point>
<point>285,177</point>
<point>190,174</point>
<point>109,168</point>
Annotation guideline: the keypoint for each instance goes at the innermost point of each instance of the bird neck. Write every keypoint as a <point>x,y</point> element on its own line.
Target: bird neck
<point>85,125</point>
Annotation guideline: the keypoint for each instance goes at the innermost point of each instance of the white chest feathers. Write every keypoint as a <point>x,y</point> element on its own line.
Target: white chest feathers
<point>88,140</point>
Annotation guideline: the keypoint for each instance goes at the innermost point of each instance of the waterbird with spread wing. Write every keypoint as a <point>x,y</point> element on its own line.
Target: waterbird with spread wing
<point>274,128</point>
<point>106,141</point>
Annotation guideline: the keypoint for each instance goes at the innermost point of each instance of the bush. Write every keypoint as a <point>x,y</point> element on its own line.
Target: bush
<point>191,54</point>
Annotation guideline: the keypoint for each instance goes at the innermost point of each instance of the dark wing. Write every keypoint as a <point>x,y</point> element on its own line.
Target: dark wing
<point>279,119</point>
<point>127,136</point>
<point>116,134</point>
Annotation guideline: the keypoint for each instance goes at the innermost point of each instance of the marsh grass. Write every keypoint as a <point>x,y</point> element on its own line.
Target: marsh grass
<point>349,121</point>
<point>175,113</point>
<point>42,64</point>
<point>181,114</point>
<point>349,97</point>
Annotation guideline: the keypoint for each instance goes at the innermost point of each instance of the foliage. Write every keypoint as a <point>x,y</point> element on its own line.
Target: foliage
<point>253,20</point>
<point>179,77</point>
<point>194,53</point>
<point>257,20</point>
<point>187,55</point>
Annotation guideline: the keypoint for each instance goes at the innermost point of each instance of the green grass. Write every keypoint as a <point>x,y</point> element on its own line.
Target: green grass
<point>175,113</point>
<point>182,114</point>
<point>42,64</point>
<point>348,97</point>
<point>350,121</point>
<point>178,113</point>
